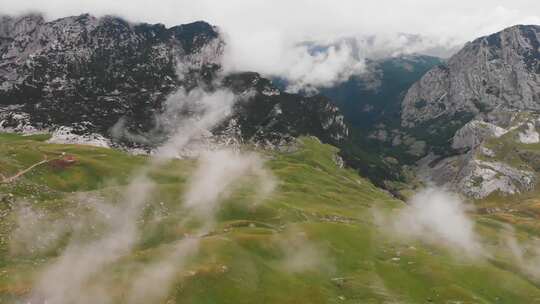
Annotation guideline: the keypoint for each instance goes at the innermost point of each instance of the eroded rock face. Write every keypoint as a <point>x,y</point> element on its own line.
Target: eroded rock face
<point>500,70</point>
<point>485,169</point>
<point>474,133</point>
<point>84,68</point>
<point>477,178</point>
<point>488,91</point>
<point>481,178</point>
<point>54,75</point>
<point>271,117</point>
<point>529,135</point>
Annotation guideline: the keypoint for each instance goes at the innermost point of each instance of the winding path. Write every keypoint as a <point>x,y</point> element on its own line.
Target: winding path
<point>7,180</point>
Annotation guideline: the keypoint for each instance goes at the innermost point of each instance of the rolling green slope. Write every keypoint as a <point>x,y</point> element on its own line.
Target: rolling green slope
<point>314,240</point>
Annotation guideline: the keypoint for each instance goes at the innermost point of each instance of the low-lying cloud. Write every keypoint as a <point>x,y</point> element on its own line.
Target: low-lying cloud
<point>301,254</point>
<point>268,36</point>
<point>438,217</point>
<point>304,66</point>
<point>28,238</point>
<point>218,173</point>
<point>155,281</point>
<point>190,116</point>
<point>70,278</point>
<point>187,117</point>
<point>82,271</point>
<point>525,253</point>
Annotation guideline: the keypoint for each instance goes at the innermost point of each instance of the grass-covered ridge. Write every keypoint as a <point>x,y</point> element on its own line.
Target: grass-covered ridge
<point>314,240</point>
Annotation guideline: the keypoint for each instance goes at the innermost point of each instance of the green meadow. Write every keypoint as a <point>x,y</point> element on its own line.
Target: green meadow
<point>315,239</point>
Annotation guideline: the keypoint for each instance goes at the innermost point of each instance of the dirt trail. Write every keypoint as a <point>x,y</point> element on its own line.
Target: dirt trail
<point>7,180</point>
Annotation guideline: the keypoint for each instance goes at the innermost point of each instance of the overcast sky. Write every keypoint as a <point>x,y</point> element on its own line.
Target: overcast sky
<point>263,35</point>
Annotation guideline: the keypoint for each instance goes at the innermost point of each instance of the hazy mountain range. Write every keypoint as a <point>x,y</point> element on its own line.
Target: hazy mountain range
<point>137,166</point>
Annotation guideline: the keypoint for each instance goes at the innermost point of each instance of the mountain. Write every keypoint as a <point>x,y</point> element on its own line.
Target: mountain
<point>88,75</point>
<point>371,100</point>
<point>469,112</point>
<point>494,72</point>
<point>239,224</point>
<point>375,97</point>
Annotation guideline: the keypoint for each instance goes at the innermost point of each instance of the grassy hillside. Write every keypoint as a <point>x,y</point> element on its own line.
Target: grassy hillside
<point>314,240</point>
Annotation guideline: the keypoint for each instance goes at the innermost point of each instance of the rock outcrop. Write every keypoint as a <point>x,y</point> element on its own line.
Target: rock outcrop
<point>497,71</point>
<point>86,75</point>
<point>480,110</point>
<point>474,133</point>
<point>495,159</point>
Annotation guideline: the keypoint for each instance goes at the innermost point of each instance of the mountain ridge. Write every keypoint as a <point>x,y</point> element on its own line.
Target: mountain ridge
<point>88,74</point>
<point>486,93</point>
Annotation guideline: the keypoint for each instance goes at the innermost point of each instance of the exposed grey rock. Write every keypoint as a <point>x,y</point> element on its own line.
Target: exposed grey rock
<point>65,135</point>
<point>116,75</point>
<point>475,178</point>
<point>417,148</point>
<point>500,70</point>
<point>488,89</point>
<point>14,119</point>
<point>480,178</point>
<point>470,173</point>
<point>529,135</point>
<point>380,135</point>
<point>474,133</point>
<point>487,152</point>
<point>396,141</point>
<point>338,161</point>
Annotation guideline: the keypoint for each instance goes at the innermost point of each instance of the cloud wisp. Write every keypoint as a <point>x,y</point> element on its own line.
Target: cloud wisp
<point>525,253</point>
<point>436,216</point>
<point>269,37</point>
<point>70,278</point>
<point>81,273</point>
<point>218,173</point>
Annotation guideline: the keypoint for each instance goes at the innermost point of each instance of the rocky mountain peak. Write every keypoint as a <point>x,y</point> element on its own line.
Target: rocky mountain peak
<point>499,70</point>
<point>476,106</point>
<point>13,26</point>
<point>87,74</point>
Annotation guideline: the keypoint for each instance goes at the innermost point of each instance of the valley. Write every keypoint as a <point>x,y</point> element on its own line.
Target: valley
<point>141,163</point>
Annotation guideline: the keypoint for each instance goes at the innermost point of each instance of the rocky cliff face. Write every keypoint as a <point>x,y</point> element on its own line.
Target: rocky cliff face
<point>479,113</point>
<point>85,69</point>
<point>497,71</point>
<point>87,74</point>
<point>498,155</point>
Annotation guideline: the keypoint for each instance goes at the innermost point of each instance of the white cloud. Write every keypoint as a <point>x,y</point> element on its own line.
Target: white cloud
<point>525,253</point>
<point>188,115</point>
<point>218,173</point>
<point>69,278</point>
<point>79,274</point>
<point>301,254</point>
<point>263,35</point>
<point>439,217</point>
